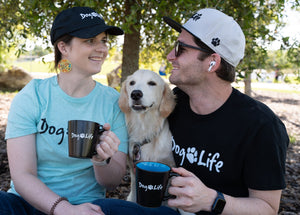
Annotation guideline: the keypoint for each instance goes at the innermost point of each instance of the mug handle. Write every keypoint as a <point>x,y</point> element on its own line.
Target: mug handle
<point>100,131</point>
<point>169,196</point>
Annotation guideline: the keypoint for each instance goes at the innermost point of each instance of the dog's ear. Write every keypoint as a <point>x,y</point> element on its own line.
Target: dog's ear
<point>123,99</point>
<point>167,104</point>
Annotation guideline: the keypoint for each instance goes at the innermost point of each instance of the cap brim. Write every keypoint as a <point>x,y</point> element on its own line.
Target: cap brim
<point>175,25</point>
<point>172,23</point>
<point>113,30</point>
<point>95,30</point>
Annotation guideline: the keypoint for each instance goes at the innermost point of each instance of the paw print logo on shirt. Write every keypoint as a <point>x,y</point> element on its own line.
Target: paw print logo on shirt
<point>192,154</point>
<point>215,41</point>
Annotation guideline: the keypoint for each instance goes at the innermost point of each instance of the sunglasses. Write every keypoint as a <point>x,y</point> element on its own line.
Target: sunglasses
<point>178,48</point>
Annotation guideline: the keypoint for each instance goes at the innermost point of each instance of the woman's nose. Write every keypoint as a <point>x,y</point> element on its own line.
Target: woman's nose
<point>100,46</point>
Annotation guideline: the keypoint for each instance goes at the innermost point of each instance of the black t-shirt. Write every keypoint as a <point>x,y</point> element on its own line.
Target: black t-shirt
<point>239,146</point>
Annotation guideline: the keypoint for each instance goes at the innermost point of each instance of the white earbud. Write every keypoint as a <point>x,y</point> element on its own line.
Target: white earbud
<point>211,65</point>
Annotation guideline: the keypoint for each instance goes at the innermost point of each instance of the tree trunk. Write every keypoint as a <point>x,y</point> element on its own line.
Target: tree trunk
<point>131,47</point>
<point>247,82</point>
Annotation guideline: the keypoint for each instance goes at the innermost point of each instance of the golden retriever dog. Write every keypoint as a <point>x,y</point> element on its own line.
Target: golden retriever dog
<point>147,100</point>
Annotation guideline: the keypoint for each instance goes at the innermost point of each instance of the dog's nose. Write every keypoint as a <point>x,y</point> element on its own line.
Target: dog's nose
<point>136,94</point>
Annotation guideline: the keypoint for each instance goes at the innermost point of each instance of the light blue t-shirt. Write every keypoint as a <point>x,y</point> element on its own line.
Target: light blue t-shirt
<point>43,108</point>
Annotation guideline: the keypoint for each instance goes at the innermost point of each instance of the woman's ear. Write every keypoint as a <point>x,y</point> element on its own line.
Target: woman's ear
<point>62,47</point>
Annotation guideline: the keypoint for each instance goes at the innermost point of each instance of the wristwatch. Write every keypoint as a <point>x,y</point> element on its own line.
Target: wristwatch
<point>100,163</point>
<point>219,204</point>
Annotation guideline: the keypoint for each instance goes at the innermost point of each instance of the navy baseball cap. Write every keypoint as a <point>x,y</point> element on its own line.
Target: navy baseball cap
<point>81,22</point>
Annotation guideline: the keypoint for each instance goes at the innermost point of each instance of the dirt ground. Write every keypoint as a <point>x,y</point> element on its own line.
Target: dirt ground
<point>285,105</point>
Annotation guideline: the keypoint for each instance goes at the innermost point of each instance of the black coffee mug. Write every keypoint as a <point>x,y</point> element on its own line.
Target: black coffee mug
<point>83,136</point>
<point>151,183</point>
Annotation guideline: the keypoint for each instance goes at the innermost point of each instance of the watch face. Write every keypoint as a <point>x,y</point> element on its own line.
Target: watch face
<point>219,206</point>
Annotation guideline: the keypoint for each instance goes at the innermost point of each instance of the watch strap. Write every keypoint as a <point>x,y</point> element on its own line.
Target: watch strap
<point>100,163</point>
<point>219,204</point>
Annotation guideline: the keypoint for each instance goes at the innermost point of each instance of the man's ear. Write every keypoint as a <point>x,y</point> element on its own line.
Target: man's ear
<point>211,65</point>
<point>214,63</point>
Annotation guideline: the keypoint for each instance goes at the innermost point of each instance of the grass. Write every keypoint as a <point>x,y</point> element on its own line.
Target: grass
<point>33,66</point>
<point>293,139</point>
<point>8,93</point>
<point>108,66</point>
<point>277,90</point>
<point>38,66</point>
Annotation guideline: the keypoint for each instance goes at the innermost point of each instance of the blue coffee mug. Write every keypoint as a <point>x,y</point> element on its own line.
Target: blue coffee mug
<point>151,183</point>
<point>153,166</point>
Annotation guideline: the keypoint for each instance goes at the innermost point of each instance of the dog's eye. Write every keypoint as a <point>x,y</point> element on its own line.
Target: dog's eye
<point>151,83</point>
<point>132,83</point>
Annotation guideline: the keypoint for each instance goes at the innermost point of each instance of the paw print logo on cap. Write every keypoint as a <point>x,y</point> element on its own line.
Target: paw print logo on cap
<point>215,41</point>
<point>196,16</point>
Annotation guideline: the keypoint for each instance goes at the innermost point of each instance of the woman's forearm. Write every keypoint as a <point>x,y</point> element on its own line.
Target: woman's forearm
<point>35,192</point>
<point>22,160</point>
<point>111,175</point>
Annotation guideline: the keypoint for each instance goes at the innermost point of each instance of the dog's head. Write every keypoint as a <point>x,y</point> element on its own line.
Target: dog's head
<point>145,90</point>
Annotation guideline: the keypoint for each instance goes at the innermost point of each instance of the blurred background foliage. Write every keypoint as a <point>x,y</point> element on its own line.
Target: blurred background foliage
<point>147,38</point>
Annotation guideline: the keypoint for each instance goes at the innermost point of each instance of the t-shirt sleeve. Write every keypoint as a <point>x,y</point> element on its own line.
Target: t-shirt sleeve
<point>21,119</point>
<point>265,161</point>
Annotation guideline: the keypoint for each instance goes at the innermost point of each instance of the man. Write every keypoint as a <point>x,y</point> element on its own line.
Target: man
<point>229,148</point>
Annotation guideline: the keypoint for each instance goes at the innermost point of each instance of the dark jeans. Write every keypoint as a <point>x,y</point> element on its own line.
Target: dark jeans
<point>11,204</point>
<point>122,207</point>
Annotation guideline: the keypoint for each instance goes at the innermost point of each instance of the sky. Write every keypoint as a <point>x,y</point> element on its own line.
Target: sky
<point>292,28</point>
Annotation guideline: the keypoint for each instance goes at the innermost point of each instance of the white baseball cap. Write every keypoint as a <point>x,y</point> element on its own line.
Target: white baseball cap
<point>218,31</point>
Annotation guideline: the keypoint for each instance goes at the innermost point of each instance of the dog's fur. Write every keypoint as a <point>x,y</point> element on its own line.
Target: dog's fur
<point>147,100</point>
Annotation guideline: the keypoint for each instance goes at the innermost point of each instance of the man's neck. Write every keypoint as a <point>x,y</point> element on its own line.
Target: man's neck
<point>207,100</point>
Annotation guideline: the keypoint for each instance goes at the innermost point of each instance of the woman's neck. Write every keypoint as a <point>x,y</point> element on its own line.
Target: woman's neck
<point>75,86</point>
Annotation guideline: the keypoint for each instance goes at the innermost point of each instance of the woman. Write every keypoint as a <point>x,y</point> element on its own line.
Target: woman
<point>45,180</point>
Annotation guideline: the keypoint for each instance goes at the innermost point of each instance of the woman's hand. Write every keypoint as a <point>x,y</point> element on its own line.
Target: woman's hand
<point>109,175</point>
<point>65,208</point>
<point>109,143</point>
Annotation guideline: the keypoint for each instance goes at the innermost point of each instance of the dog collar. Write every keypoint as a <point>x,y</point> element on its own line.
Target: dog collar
<point>136,151</point>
